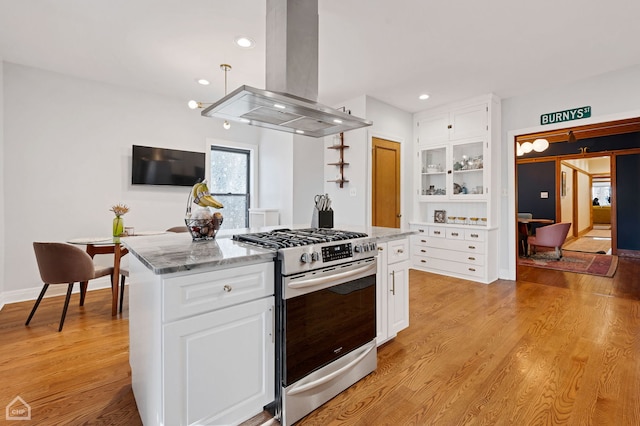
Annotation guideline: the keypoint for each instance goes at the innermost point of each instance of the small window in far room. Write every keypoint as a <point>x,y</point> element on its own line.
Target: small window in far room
<point>229,184</point>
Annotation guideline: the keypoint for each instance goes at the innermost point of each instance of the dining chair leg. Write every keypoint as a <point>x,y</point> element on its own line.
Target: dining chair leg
<point>66,305</point>
<point>83,291</point>
<point>33,311</point>
<point>122,279</point>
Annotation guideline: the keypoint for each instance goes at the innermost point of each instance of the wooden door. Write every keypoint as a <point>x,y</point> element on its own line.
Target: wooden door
<point>385,209</point>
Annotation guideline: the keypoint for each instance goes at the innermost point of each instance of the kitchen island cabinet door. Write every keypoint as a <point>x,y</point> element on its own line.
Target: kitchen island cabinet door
<point>392,297</point>
<point>399,296</point>
<point>219,366</point>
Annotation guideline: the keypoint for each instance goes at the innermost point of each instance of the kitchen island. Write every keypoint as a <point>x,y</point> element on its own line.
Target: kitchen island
<point>202,326</point>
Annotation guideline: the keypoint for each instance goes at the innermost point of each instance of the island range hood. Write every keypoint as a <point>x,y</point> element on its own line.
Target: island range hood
<point>289,102</point>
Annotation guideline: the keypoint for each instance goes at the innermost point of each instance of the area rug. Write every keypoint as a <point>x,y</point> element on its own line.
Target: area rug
<point>582,263</point>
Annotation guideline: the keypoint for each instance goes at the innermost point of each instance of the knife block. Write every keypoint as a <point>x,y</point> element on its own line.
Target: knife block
<point>322,218</point>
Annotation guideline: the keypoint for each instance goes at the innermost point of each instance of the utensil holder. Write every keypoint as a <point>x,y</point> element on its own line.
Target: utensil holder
<point>322,218</point>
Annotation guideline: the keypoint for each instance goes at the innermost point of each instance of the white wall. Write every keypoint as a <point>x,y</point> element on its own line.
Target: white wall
<point>308,159</point>
<point>352,203</point>
<point>276,174</point>
<point>67,160</point>
<point>615,95</point>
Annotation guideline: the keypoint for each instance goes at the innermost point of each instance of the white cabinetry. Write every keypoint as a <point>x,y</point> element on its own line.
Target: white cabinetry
<point>457,181</point>
<point>461,252</point>
<point>202,346</point>
<point>458,123</point>
<point>457,162</point>
<point>392,297</point>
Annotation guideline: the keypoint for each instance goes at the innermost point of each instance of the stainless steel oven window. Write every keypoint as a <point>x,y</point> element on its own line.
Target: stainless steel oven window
<point>323,325</point>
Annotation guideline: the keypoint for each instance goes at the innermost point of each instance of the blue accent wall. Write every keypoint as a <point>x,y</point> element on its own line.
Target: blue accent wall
<point>534,178</point>
<point>628,201</point>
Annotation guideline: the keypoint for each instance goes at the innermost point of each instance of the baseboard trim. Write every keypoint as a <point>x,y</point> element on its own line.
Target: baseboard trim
<point>32,293</point>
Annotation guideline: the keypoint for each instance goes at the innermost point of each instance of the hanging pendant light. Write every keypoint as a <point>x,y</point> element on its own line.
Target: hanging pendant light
<point>540,145</point>
<point>195,104</point>
<point>225,67</point>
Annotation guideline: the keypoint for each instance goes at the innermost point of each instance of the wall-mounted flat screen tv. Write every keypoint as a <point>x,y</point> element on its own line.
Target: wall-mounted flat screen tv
<point>160,166</point>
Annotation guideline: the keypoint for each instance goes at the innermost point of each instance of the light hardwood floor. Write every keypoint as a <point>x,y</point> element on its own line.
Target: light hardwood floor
<point>549,348</point>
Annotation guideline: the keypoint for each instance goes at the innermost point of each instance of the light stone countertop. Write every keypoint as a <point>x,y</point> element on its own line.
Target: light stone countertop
<point>176,252</point>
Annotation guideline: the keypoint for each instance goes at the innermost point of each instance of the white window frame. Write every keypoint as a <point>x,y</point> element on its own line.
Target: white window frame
<point>253,164</point>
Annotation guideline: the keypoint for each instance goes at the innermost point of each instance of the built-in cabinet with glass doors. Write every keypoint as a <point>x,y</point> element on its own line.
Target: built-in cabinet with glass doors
<point>457,190</point>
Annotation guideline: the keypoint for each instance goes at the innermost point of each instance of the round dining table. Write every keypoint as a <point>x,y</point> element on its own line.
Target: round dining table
<point>106,245</point>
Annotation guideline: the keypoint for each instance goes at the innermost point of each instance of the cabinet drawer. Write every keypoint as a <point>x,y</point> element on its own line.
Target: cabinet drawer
<point>444,243</point>
<point>448,266</point>
<point>455,234</point>
<point>437,232</point>
<point>422,230</point>
<point>456,256</point>
<point>398,250</point>
<point>474,235</point>
<point>194,294</point>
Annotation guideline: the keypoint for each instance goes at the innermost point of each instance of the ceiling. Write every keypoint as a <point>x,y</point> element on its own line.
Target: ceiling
<point>392,51</point>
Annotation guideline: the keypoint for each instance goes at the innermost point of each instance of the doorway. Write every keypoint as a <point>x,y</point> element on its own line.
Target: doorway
<point>588,203</point>
<point>385,192</point>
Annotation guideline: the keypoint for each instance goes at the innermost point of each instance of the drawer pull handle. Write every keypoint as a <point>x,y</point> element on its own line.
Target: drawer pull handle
<point>423,250</point>
<point>423,241</point>
<point>420,230</point>
<point>423,261</point>
<point>455,234</point>
<point>400,251</point>
<point>472,270</point>
<point>474,235</point>
<point>472,247</point>
<point>227,288</point>
<point>436,232</point>
<point>472,258</point>
<point>380,249</point>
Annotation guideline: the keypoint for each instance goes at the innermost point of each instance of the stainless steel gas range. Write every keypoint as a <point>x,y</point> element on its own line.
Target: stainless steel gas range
<point>326,314</point>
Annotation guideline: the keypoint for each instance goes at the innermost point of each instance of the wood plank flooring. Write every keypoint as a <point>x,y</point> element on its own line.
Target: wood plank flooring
<point>549,348</point>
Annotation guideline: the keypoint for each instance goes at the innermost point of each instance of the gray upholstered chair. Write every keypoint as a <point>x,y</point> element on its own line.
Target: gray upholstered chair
<point>550,236</point>
<point>61,263</point>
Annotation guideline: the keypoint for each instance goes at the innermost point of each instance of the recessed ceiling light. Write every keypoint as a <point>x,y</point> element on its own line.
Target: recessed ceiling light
<point>301,132</point>
<point>279,106</point>
<point>245,42</point>
<point>423,97</point>
<point>203,81</point>
<point>337,121</point>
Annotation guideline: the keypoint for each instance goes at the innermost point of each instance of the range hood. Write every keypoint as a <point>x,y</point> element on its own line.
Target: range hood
<point>289,102</point>
<point>284,112</point>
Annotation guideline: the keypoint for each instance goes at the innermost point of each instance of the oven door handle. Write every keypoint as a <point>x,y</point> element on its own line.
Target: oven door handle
<point>301,386</point>
<point>331,278</point>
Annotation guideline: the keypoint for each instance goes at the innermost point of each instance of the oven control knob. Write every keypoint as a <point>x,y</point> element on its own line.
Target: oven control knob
<point>305,258</point>
<point>315,256</point>
<point>358,248</point>
<point>372,246</point>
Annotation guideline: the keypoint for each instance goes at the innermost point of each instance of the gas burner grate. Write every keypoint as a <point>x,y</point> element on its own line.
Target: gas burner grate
<point>284,238</point>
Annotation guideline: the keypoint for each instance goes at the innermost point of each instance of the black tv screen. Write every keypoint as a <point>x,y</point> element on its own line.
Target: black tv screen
<point>160,166</point>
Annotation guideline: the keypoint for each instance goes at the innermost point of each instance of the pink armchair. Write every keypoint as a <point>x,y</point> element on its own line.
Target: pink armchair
<point>550,236</point>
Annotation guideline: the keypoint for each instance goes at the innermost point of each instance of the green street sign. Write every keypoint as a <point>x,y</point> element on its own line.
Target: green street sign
<point>567,115</point>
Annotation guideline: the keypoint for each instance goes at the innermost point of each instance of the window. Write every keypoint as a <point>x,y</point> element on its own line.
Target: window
<point>230,178</point>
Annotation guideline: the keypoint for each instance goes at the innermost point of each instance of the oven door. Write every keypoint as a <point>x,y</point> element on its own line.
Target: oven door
<point>327,314</point>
